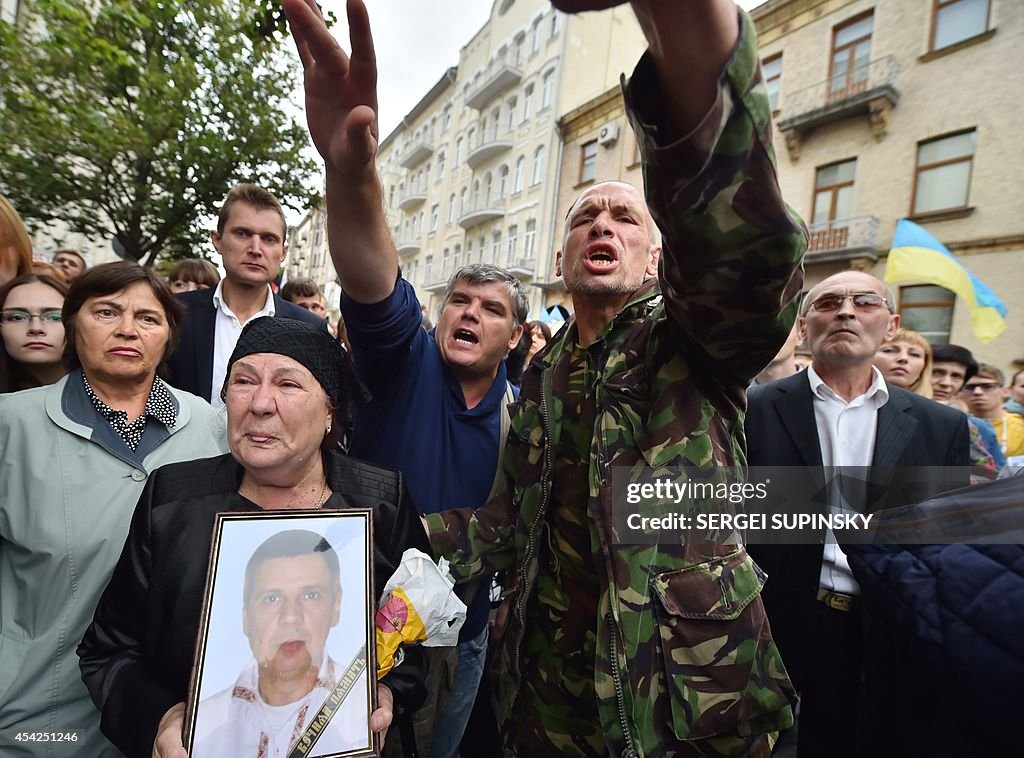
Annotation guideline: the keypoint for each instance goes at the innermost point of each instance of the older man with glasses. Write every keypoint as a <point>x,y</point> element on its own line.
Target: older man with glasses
<point>837,415</point>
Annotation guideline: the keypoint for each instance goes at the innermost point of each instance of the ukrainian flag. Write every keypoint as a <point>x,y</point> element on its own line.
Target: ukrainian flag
<point>917,256</point>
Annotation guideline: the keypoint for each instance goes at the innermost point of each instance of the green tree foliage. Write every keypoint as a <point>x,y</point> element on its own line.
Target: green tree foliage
<point>130,119</point>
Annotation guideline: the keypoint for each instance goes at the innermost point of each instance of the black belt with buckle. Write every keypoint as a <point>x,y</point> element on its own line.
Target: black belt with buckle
<point>837,601</point>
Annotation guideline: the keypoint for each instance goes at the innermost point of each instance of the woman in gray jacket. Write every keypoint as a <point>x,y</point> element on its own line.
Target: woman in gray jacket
<point>74,457</point>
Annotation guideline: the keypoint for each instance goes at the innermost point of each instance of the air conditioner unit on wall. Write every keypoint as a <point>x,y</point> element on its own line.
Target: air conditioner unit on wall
<point>609,133</point>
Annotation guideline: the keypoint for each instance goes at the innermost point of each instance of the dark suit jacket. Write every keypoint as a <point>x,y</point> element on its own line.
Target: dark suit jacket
<point>190,368</point>
<point>781,431</point>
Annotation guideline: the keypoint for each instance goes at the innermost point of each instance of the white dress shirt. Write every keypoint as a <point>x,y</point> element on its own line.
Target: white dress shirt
<point>236,723</point>
<point>227,328</point>
<point>846,435</point>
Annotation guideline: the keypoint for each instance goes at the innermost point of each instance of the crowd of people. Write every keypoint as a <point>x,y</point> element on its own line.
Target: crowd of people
<point>134,408</point>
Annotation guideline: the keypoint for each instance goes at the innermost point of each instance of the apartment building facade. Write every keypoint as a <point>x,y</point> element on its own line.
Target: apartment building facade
<point>309,256</point>
<point>884,109</point>
<point>470,174</point>
<point>889,109</point>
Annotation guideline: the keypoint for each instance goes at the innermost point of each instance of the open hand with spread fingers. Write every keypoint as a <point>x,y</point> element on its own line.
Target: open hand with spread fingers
<point>341,89</point>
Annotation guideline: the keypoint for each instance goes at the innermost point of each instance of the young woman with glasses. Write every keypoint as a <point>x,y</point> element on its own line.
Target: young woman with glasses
<point>31,332</point>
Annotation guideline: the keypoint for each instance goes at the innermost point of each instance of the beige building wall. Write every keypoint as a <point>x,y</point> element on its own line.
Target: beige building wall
<point>966,86</point>
<point>492,121</point>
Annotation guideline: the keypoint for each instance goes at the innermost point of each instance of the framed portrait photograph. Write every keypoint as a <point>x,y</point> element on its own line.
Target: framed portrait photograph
<point>284,663</point>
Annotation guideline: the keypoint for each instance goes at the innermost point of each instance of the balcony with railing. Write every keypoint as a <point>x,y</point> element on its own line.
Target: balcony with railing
<point>493,142</point>
<point>407,246</point>
<point>865,90</point>
<point>416,153</point>
<point>843,239</point>
<point>524,268</point>
<point>498,76</point>
<point>411,198</point>
<point>436,282</point>
<point>481,211</point>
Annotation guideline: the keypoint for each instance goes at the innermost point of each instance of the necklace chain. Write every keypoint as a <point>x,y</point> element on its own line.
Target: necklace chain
<point>317,504</point>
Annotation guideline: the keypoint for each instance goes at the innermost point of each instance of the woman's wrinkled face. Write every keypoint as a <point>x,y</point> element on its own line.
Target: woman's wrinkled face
<point>278,413</point>
<point>31,326</point>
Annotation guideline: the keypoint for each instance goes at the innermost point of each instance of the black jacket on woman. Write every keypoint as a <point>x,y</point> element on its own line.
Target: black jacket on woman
<point>137,655</point>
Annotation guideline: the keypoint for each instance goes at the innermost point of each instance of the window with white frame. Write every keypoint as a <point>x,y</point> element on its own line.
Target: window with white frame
<point>456,258</point>
<point>527,102</point>
<point>434,214</point>
<point>441,157</point>
<point>513,240</point>
<point>502,181</point>
<point>517,183</point>
<point>535,37</point>
<point>547,89</point>
<point>496,247</point>
<point>538,166</point>
<point>510,114</point>
<point>529,239</point>
<point>458,152</point>
<point>451,207</point>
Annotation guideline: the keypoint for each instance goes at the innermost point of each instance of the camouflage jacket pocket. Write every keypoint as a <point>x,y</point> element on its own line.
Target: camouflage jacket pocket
<point>710,623</point>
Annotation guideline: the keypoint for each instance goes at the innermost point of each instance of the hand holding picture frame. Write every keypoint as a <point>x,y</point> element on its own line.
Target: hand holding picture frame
<point>284,663</point>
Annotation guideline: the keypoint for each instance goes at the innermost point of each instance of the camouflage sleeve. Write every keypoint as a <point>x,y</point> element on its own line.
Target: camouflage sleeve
<point>731,263</point>
<point>475,543</point>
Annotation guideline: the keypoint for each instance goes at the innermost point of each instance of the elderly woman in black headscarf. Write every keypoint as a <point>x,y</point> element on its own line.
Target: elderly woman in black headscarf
<point>288,393</point>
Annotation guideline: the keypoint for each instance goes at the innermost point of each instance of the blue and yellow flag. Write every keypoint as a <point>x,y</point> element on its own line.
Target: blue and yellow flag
<point>917,256</point>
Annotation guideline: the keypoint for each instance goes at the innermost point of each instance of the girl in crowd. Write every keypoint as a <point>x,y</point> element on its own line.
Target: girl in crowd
<point>31,332</point>
<point>193,274</point>
<point>15,247</point>
<point>906,361</point>
<point>540,335</point>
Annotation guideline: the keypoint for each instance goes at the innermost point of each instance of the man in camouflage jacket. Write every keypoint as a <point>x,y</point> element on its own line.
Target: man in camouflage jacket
<point>618,648</point>
<point>684,663</point>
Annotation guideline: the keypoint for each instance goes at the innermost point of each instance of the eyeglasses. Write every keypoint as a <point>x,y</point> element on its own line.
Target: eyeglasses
<point>22,316</point>
<point>862,301</point>
<point>983,386</point>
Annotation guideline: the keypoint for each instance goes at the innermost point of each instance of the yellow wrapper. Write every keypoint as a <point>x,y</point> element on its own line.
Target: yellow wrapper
<point>398,623</point>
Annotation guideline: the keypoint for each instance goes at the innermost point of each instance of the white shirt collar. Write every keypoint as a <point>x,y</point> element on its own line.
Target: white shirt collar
<point>269,306</point>
<point>877,391</point>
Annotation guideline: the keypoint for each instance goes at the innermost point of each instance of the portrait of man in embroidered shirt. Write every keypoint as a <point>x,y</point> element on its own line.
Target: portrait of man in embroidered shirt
<point>292,598</point>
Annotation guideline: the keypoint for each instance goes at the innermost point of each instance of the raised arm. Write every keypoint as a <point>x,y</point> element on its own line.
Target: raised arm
<point>341,112</point>
<point>689,41</point>
<point>731,248</point>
